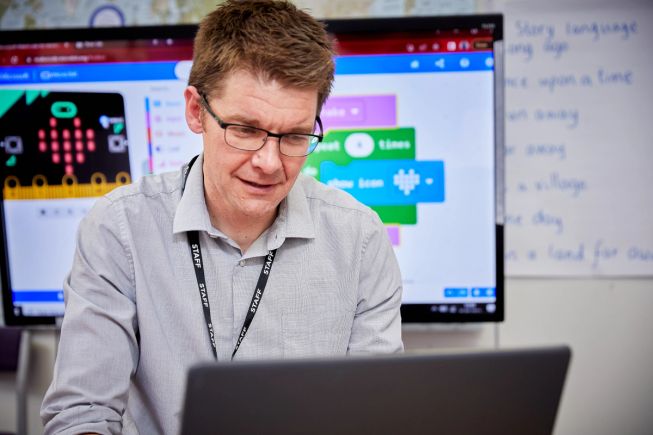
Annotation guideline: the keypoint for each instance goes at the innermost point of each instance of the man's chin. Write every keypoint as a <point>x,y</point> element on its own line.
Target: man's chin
<point>258,209</point>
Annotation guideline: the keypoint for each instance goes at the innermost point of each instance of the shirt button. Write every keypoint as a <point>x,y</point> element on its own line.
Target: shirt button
<point>241,263</point>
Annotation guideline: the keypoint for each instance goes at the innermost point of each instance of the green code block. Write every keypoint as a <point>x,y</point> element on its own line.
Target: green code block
<point>344,146</point>
<point>397,214</point>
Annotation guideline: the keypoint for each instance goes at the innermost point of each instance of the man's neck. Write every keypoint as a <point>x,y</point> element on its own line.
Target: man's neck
<point>242,231</point>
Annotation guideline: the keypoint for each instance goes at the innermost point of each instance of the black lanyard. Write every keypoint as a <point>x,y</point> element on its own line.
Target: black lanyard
<point>196,255</point>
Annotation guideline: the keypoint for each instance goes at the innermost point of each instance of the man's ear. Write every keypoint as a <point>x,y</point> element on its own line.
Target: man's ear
<point>193,109</point>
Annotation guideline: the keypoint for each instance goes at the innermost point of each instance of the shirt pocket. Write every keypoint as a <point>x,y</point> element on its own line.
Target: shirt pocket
<point>317,320</point>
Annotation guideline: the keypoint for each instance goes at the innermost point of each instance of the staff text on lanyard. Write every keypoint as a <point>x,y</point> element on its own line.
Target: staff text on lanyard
<point>198,265</point>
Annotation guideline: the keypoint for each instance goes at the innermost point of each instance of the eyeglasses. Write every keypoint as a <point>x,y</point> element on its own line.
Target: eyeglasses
<point>248,138</point>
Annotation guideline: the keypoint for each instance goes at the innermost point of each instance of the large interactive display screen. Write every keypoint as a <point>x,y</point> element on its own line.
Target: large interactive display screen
<point>412,129</point>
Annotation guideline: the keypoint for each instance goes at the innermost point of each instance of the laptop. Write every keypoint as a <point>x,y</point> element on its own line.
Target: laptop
<point>486,392</point>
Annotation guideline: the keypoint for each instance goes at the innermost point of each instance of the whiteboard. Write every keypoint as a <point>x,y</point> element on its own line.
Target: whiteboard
<point>579,141</point>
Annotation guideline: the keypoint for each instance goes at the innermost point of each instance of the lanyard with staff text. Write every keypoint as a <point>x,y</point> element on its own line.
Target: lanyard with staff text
<point>196,255</point>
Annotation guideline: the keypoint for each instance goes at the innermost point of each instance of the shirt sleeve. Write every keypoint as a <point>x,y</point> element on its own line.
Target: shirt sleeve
<point>98,351</point>
<point>377,322</point>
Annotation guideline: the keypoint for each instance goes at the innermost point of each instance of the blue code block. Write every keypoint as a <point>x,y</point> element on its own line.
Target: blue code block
<point>388,182</point>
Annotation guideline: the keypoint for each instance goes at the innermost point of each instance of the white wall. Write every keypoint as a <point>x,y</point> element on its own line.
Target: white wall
<point>608,324</point>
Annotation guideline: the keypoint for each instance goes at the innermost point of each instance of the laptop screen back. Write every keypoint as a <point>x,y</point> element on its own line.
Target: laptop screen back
<point>506,392</point>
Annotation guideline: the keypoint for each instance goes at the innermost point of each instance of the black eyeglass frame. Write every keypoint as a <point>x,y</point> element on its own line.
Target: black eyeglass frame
<point>205,102</point>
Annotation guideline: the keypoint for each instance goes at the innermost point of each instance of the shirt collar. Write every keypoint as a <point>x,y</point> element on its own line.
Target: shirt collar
<point>192,213</point>
<point>294,219</point>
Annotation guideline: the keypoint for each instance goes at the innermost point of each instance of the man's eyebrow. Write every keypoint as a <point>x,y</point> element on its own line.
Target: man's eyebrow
<point>243,119</point>
<point>300,130</point>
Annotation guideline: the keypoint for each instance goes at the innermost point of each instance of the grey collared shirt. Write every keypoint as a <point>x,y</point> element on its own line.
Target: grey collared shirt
<point>134,321</point>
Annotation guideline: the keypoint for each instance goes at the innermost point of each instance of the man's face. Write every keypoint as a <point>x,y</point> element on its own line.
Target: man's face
<point>249,185</point>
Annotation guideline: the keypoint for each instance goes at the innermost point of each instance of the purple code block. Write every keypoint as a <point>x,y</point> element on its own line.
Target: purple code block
<point>362,111</point>
<point>393,233</point>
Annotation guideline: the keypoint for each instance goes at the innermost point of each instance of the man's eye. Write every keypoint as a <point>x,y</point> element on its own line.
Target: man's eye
<point>244,131</point>
<point>296,139</point>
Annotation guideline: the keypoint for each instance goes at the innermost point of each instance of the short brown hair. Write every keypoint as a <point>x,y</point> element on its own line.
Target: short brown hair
<point>269,38</point>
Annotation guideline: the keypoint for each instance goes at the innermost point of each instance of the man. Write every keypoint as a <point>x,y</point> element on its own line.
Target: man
<point>237,255</point>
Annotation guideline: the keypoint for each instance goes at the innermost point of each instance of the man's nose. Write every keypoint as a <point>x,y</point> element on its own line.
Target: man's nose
<point>268,158</point>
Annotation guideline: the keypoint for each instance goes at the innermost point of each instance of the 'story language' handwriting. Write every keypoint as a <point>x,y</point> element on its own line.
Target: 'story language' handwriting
<point>602,77</point>
<point>525,51</point>
<point>554,182</point>
<point>595,254</point>
<point>568,117</point>
<point>541,218</point>
<point>557,151</point>
<point>596,30</point>
<point>556,39</point>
